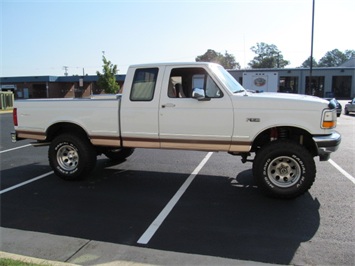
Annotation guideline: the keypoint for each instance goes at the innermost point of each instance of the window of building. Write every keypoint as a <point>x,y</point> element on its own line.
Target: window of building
<point>316,86</point>
<point>341,86</point>
<point>288,84</point>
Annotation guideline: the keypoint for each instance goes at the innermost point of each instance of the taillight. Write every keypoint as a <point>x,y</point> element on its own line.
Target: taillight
<point>14,116</point>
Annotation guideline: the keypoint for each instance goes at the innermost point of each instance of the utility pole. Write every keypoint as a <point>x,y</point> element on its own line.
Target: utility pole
<point>311,65</point>
<point>65,70</point>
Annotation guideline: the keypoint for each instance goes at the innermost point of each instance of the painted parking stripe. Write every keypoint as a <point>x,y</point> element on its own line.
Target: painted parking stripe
<point>148,234</point>
<point>341,170</point>
<point>25,183</point>
<point>16,148</point>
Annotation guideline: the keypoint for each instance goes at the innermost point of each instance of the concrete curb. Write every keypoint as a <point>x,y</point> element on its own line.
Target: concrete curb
<point>56,250</point>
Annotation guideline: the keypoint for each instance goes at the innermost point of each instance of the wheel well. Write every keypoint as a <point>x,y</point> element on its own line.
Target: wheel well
<point>292,133</point>
<point>61,128</point>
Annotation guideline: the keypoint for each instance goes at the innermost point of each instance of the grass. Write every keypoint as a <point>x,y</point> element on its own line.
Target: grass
<point>11,262</point>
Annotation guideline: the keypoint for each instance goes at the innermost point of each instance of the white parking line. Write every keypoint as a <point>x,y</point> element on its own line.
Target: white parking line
<point>16,148</point>
<point>148,234</point>
<point>25,183</point>
<point>341,170</point>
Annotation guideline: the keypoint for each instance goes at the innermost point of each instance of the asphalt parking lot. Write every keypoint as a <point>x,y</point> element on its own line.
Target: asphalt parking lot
<point>153,202</point>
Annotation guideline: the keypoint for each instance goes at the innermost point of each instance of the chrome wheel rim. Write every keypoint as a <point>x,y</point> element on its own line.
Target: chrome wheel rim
<point>284,171</point>
<point>67,158</point>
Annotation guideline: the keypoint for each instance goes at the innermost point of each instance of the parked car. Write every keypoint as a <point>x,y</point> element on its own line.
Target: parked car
<point>350,107</point>
<point>338,105</point>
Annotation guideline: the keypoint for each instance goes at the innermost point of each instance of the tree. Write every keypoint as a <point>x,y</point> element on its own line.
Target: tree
<point>267,56</point>
<point>307,63</point>
<point>335,58</point>
<point>349,54</point>
<point>227,60</point>
<point>107,80</point>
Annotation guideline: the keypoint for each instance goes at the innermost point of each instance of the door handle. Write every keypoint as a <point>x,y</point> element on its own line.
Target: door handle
<point>168,105</point>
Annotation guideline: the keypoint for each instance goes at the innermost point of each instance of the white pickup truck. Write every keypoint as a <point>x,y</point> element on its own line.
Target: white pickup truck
<point>190,106</point>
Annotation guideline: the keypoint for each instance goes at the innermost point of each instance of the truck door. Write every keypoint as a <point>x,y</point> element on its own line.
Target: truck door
<point>139,108</point>
<point>185,122</point>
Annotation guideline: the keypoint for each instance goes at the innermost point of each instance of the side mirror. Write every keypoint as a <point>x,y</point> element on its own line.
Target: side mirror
<point>198,94</point>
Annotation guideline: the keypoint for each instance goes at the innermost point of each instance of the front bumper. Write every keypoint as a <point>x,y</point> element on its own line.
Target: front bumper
<point>327,144</point>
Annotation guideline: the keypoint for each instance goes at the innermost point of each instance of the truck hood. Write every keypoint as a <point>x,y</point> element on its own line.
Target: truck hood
<point>285,101</point>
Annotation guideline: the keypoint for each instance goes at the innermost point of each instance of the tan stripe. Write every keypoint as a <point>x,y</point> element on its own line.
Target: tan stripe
<point>184,144</point>
<point>106,141</point>
<point>31,135</point>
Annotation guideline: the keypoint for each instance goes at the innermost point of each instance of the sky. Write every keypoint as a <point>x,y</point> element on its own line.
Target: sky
<point>41,37</point>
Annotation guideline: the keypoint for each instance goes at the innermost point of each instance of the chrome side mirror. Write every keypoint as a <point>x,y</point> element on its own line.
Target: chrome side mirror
<point>198,94</point>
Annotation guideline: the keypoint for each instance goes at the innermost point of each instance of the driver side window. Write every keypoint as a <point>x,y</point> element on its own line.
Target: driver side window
<point>184,80</point>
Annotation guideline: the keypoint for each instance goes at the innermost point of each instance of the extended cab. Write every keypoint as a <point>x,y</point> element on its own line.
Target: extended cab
<point>190,106</point>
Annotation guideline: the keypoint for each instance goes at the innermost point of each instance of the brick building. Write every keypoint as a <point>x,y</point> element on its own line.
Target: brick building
<point>53,86</point>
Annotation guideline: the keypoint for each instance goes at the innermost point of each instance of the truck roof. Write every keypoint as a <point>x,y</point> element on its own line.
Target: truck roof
<point>172,64</point>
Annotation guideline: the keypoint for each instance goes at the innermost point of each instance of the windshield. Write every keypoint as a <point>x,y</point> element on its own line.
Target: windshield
<point>231,84</point>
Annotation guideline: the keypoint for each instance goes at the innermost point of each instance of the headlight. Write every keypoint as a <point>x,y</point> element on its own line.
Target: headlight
<point>329,119</point>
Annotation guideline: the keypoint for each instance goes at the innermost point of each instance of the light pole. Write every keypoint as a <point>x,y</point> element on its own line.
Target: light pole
<point>311,65</point>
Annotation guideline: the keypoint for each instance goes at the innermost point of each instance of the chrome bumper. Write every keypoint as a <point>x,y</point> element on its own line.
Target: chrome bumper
<point>327,144</point>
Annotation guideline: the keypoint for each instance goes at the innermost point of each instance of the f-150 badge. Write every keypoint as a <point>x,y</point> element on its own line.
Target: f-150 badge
<point>253,119</point>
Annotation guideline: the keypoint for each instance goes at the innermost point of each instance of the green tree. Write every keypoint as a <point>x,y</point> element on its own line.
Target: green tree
<point>227,60</point>
<point>107,80</point>
<point>267,56</point>
<point>335,58</point>
<point>307,63</point>
<point>349,54</point>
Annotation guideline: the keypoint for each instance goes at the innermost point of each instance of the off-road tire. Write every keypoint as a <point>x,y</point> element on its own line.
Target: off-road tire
<point>284,169</point>
<point>71,157</point>
<point>118,155</point>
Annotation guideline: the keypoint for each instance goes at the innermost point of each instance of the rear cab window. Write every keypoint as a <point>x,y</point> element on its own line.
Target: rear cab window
<point>144,83</point>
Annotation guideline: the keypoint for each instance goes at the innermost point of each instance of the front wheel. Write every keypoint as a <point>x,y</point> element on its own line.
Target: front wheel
<point>284,169</point>
<point>71,157</point>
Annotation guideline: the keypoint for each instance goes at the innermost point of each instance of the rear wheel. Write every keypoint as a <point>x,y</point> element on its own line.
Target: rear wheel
<point>284,169</point>
<point>118,154</point>
<point>71,157</point>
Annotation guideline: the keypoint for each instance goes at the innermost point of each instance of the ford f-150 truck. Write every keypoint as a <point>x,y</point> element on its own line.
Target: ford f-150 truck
<point>190,106</point>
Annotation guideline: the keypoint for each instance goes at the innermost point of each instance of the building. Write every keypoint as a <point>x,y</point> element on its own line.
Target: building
<point>336,82</point>
<point>53,86</point>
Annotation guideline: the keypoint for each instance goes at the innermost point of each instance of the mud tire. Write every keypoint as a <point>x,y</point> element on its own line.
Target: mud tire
<point>71,157</point>
<point>284,169</point>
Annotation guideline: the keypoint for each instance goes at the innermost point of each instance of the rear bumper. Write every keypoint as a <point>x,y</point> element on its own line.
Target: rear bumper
<point>327,144</point>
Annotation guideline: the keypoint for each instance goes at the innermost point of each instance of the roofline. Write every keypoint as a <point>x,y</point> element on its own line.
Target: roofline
<point>172,64</point>
<point>296,68</point>
<point>33,79</point>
